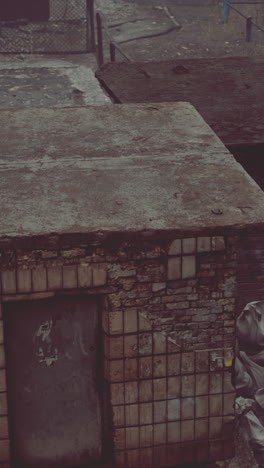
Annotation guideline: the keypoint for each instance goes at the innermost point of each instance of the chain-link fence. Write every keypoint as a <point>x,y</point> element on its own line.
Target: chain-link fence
<point>46,26</point>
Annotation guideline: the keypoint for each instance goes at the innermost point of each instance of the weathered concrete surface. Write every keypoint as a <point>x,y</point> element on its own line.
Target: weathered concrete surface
<point>48,83</point>
<point>119,168</point>
<point>227,92</point>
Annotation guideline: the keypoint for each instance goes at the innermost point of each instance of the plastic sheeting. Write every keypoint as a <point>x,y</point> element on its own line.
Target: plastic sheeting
<point>249,376</point>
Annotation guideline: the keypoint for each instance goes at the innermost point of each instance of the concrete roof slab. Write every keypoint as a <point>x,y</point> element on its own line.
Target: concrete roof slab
<point>119,168</point>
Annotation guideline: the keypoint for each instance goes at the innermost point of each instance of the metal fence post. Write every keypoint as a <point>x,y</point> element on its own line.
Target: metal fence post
<point>100,52</point>
<point>226,10</point>
<point>90,21</point>
<point>249,26</point>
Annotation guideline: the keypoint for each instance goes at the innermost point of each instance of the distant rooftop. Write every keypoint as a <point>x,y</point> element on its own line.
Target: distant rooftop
<point>227,92</point>
<point>119,168</point>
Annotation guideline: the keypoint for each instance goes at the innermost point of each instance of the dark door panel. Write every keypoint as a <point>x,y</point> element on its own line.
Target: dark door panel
<point>53,393</point>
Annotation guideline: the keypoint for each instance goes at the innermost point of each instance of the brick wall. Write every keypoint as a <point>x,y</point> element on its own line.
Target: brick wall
<point>168,325</point>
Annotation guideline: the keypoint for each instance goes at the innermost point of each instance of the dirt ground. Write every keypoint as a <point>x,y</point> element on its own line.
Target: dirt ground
<point>202,32</point>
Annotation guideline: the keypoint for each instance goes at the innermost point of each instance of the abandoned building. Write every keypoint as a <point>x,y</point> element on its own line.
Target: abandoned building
<point>120,249</point>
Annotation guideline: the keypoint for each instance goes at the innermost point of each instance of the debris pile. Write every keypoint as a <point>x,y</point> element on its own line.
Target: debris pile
<point>249,377</point>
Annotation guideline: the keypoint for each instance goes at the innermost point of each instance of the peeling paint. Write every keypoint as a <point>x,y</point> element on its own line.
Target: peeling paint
<point>45,330</point>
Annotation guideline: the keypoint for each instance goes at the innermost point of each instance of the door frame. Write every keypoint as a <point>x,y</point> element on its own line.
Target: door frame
<point>103,395</point>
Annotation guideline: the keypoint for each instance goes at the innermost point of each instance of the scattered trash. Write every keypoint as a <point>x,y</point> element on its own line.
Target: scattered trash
<point>249,377</point>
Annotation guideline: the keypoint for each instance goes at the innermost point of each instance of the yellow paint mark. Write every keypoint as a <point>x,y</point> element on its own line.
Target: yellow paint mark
<point>228,361</point>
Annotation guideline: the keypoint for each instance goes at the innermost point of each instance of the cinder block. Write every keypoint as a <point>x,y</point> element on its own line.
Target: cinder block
<point>84,276</point>
<point>160,412</point>
<point>131,392</point>
<point>145,390</point>
<point>3,427</point>
<point>146,435</point>
<point>145,413</point>
<point>130,321</point>
<point>189,246</point>
<point>118,415</point>
<point>9,282</point>
<point>218,243</point>
<point>188,266</point>
<point>144,324</point>
<point>131,369</point>
<point>174,432</point>
<point>2,356</point>
<point>132,437</point>
<point>4,451</point>
<point>187,430</point>
<point>187,408</point>
<point>3,404</point>
<point>175,247</point>
<point>116,322</point>
<point>2,381</point>
<point>116,370</point>
<point>201,406</point>
<point>201,429</point>
<point>204,244</point>
<point>69,277</point>
<point>187,363</point>
<point>99,277</point>
<point>131,412</point>
<point>202,384</point>
<point>174,387</point>
<point>229,401</point>
<point>174,268</point>
<point>54,278</point>
<point>160,434</point>
<point>116,347</point>
<point>174,409</point>
<point>39,279</point>
<point>159,343</point>
<point>24,284</point>
<point>216,405</point>
<point>117,393</point>
<point>130,345</point>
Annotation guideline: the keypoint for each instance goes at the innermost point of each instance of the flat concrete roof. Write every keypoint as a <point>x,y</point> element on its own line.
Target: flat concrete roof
<point>48,83</point>
<point>228,92</point>
<point>119,168</point>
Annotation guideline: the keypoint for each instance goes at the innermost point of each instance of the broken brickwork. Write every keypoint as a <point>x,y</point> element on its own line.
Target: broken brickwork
<point>168,316</point>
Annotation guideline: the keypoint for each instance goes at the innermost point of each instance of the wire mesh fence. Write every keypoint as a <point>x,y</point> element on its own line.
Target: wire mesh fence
<point>46,26</point>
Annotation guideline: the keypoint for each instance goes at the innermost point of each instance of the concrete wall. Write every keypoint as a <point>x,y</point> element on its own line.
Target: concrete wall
<point>168,327</point>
